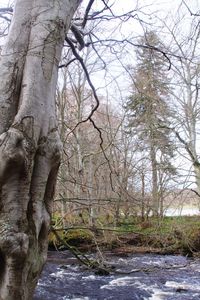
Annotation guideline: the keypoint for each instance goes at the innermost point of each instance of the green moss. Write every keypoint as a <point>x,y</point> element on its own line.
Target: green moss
<point>81,235</point>
<point>73,237</point>
<point>169,234</point>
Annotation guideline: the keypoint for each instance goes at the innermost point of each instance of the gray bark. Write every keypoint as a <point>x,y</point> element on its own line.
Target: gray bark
<point>29,142</point>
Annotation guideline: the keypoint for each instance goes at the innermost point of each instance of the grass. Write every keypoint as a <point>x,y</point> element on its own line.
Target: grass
<point>166,235</point>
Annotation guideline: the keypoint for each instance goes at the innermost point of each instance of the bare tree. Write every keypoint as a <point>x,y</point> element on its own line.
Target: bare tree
<point>185,73</point>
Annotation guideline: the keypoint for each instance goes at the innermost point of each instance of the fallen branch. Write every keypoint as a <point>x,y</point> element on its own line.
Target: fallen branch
<point>96,229</point>
<point>152,269</point>
<point>99,268</point>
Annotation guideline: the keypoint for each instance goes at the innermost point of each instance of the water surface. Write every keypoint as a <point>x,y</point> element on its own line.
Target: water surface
<point>167,277</point>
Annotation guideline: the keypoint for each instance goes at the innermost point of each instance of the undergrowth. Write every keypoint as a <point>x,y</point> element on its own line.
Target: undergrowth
<point>164,235</point>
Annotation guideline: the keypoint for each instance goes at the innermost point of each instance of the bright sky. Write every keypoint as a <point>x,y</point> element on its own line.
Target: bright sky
<point>148,11</point>
<point>124,5</point>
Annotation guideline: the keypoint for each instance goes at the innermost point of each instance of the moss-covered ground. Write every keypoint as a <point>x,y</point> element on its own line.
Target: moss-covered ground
<point>168,235</point>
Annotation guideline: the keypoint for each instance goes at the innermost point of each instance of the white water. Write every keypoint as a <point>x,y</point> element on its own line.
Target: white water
<point>182,211</point>
<point>170,277</point>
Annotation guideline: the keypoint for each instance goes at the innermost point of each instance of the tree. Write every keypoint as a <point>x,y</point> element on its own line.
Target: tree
<point>148,112</point>
<point>185,92</point>
<point>29,142</point>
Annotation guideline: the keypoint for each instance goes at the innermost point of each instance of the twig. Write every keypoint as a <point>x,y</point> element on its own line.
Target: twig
<point>89,118</point>
<point>67,64</point>
<point>79,58</point>
<point>191,13</point>
<point>194,191</point>
<point>5,18</point>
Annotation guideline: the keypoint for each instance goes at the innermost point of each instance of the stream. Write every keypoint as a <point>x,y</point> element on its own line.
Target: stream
<point>153,277</point>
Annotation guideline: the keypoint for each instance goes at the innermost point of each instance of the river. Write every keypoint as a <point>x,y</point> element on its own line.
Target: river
<point>181,211</point>
<point>137,277</point>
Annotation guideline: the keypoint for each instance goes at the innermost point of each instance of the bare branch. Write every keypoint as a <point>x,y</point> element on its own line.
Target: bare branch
<point>89,118</point>
<point>191,13</point>
<point>186,147</point>
<point>79,58</point>
<point>79,36</point>
<point>115,41</point>
<point>108,7</point>
<point>87,12</point>
<point>67,64</point>
<point>6,9</point>
<point>5,18</point>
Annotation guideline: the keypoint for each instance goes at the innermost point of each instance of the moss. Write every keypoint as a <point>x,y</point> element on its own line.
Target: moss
<point>73,237</point>
<point>168,235</point>
<point>78,236</point>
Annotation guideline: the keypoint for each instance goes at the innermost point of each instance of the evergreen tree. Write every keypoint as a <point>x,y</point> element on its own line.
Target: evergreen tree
<point>148,110</point>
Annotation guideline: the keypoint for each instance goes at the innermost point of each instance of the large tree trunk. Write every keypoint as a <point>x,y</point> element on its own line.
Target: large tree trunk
<point>29,142</point>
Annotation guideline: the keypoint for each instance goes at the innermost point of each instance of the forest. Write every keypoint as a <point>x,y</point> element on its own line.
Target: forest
<point>99,134</point>
<point>133,160</point>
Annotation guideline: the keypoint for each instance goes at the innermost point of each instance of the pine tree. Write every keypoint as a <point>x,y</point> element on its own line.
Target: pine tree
<point>148,110</point>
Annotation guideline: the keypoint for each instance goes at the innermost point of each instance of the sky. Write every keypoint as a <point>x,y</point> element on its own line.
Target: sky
<point>147,5</point>
<point>148,11</point>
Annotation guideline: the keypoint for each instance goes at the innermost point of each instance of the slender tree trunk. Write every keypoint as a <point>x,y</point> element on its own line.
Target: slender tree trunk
<point>143,197</point>
<point>117,212</point>
<point>155,200</point>
<point>197,175</point>
<point>29,143</point>
<point>62,99</point>
<point>92,209</point>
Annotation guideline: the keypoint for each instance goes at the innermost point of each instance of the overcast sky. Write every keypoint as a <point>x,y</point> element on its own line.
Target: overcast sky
<point>124,5</point>
<point>147,9</point>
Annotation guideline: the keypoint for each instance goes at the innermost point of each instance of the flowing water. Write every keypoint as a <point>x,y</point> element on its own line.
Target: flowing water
<point>137,277</point>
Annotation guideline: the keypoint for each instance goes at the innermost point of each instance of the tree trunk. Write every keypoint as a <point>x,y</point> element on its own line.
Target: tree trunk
<point>143,197</point>
<point>155,200</point>
<point>197,175</point>
<point>29,143</point>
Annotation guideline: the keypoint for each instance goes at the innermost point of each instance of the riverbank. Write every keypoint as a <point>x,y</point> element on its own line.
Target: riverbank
<point>169,235</point>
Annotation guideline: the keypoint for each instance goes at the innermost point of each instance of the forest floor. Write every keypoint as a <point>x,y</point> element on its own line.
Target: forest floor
<point>168,235</point>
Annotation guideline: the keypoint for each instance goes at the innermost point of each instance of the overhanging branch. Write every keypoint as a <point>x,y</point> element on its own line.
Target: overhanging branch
<point>6,9</point>
<point>89,118</point>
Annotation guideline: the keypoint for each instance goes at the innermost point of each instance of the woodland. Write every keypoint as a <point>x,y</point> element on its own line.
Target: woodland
<point>99,132</point>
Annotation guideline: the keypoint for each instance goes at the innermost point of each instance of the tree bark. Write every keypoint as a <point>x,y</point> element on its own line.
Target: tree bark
<point>155,200</point>
<point>29,142</point>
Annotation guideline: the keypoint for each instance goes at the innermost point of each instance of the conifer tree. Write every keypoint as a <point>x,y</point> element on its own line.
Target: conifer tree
<point>148,110</point>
